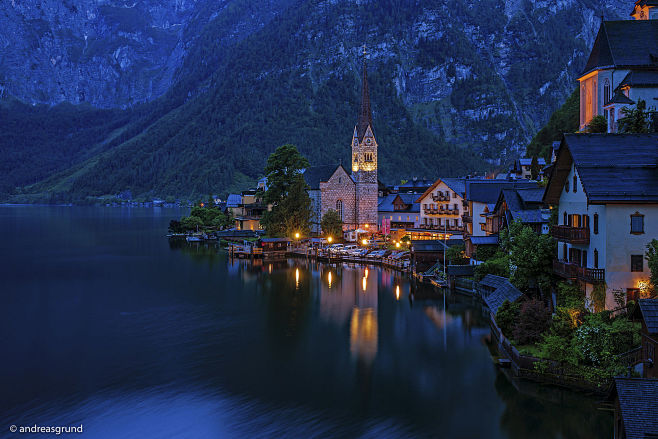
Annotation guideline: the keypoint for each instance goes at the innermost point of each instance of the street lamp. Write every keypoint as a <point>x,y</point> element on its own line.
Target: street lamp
<point>364,242</point>
<point>329,239</point>
<point>297,235</point>
<point>397,244</point>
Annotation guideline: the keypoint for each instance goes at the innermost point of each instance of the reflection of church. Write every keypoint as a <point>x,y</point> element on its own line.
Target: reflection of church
<point>349,295</point>
<point>353,195</point>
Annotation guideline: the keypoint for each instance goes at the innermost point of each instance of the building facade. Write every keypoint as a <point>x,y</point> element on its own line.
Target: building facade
<point>606,189</point>
<point>442,207</point>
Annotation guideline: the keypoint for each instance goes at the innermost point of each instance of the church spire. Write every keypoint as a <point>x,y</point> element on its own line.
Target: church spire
<point>365,116</point>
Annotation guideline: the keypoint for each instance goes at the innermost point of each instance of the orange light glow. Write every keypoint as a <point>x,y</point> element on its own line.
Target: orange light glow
<point>366,272</point>
<point>397,244</point>
<point>364,242</point>
<point>296,277</point>
<point>329,239</point>
<point>296,235</point>
<point>201,204</point>
<point>364,284</point>
<point>397,292</point>
<point>270,269</point>
<point>329,279</point>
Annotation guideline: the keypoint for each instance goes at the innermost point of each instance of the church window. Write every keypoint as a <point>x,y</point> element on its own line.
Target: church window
<point>606,92</point>
<point>339,208</point>
<point>340,180</point>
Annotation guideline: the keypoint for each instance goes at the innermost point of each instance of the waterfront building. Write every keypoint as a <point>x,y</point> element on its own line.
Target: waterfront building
<point>525,205</point>
<point>442,207</point>
<point>635,407</point>
<point>398,212</point>
<point>622,67</point>
<point>606,189</point>
<point>248,212</point>
<point>354,194</point>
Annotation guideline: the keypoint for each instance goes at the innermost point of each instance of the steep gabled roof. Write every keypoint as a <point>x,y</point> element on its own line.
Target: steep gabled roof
<point>638,403</point>
<point>640,78</point>
<point>611,167</point>
<point>487,191</point>
<point>649,310</point>
<point>624,43</point>
<point>456,184</point>
<point>386,203</point>
<point>619,98</point>
<point>314,175</point>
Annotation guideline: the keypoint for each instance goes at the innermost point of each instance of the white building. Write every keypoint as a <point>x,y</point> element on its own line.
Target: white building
<point>442,206</point>
<point>606,189</point>
<point>622,67</point>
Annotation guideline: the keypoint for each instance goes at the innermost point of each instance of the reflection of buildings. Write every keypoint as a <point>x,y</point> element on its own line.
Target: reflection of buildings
<point>350,295</point>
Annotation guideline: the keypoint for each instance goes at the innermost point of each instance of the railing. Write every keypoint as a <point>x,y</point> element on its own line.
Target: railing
<point>573,235</point>
<point>569,270</point>
<point>440,197</point>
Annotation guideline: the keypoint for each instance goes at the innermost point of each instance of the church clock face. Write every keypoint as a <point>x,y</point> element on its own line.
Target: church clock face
<point>356,143</point>
<point>368,141</point>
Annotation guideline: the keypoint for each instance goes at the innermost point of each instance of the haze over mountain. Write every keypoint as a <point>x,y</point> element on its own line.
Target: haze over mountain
<point>184,97</point>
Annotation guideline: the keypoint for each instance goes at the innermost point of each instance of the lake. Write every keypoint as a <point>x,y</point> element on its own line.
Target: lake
<point>105,323</point>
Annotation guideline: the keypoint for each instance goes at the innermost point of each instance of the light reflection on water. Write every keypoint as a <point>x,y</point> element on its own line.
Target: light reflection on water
<point>107,324</point>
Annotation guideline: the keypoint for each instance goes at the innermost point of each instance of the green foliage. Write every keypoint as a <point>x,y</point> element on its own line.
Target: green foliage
<point>209,217</point>
<point>599,297</point>
<point>332,225</point>
<point>456,255</point>
<point>485,252</point>
<point>506,317</point>
<point>564,120</point>
<point>530,255</point>
<point>652,261</point>
<point>498,264</point>
<point>570,296</point>
<point>175,227</point>
<point>286,192</point>
<point>191,223</point>
<point>598,124</point>
<point>599,340</point>
<point>559,349</point>
<point>565,321</point>
<point>635,120</point>
<point>534,168</point>
<point>533,321</point>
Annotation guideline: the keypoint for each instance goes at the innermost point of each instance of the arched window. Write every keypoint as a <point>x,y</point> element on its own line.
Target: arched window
<point>575,183</point>
<point>339,208</point>
<point>606,92</point>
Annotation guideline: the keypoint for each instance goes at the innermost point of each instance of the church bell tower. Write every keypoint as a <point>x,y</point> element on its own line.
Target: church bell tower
<point>364,161</point>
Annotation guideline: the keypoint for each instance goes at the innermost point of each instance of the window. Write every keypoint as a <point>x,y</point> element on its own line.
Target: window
<point>637,223</point>
<point>637,263</point>
<point>575,183</point>
<point>340,180</point>
<point>596,258</point>
<point>584,258</point>
<point>596,223</point>
<point>564,219</point>
<point>339,208</point>
<point>606,92</point>
<point>564,252</point>
<point>456,206</point>
<point>566,185</point>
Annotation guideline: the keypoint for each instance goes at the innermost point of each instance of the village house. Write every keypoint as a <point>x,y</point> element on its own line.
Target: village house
<point>524,205</point>
<point>606,190</point>
<point>442,207</point>
<point>523,168</point>
<point>636,411</point>
<point>398,213</point>
<point>481,196</point>
<point>249,211</point>
<point>353,195</point>
<point>622,67</point>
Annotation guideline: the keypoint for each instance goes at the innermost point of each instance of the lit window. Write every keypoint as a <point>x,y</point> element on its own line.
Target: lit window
<point>637,223</point>
<point>637,263</point>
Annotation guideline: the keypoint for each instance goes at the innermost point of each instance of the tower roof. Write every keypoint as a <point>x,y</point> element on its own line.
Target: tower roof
<point>365,115</point>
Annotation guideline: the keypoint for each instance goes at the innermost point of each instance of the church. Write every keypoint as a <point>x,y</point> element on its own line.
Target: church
<point>351,193</point>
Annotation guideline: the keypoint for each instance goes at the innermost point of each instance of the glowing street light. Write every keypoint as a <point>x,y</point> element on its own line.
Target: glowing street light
<point>397,244</point>
<point>297,235</point>
<point>329,239</point>
<point>364,242</point>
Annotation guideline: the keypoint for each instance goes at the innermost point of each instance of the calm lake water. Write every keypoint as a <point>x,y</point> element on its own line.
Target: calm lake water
<point>104,323</point>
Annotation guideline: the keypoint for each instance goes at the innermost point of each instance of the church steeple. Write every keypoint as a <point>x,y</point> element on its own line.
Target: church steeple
<point>365,116</point>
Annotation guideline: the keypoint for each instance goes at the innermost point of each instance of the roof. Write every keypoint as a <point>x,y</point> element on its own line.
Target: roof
<point>233,200</point>
<point>619,98</point>
<point>483,240</point>
<point>638,403</point>
<point>456,184</point>
<point>365,115</point>
<point>428,246</point>
<point>649,310</point>
<point>460,270</point>
<point>386,203</point>
<point>528,161</point>
<point>314,175</point>
<point>641,78</point>
<point>503,290</point>
<point>487,191</point>
<point>276,240</point>
<point>624,43</point>
<point>611,167</point>
<point>642,3</point>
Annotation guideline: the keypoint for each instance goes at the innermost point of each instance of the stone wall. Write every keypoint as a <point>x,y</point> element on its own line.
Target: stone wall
<point>340,187</point>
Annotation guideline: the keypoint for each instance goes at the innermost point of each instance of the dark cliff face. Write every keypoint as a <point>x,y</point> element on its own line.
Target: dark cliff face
<point>109,53</point>
<point>454,83</point>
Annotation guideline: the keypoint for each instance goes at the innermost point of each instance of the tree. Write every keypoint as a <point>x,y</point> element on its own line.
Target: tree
<point>456,255</point>
<point>286,193</point>
<point>332,225</point>
<point>635,120</point>
<point>530,256</point>
<point>652,261</point>
<point>534,168</point>
<point>598,124</point>
<point>534,319</point>
<point>191,223</point>
<point>506,317</point>
<point>175,226</point>
<point>497,265</point>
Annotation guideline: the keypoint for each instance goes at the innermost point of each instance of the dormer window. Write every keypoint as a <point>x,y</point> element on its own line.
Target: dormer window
<point>575,183</point>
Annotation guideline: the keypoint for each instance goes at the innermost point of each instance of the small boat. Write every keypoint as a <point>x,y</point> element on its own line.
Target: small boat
<point>193,238</point>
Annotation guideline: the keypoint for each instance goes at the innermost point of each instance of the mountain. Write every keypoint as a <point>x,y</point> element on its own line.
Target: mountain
<point>456,86</point>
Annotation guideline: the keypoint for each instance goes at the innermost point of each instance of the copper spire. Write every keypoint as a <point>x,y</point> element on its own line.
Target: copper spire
<point>365,116</point>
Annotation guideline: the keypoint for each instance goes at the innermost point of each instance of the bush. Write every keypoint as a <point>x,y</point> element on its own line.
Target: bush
<point>497,265</point>
<point>565,321</point>
<point>506,317</point>
<point>534,320</point>
<point>558,349</point>
<point>599,340</point>
<point>570,296</point>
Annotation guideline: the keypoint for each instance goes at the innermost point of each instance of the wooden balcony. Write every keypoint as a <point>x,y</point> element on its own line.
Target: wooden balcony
<point>440,197</point>
<point>572,235</point>
<point>568,270</point>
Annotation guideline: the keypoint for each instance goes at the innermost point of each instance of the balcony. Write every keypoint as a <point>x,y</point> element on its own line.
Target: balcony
<point>572,235</point>
<point>441,227</point>
<point>568,270</point>
<point>440,197</point>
